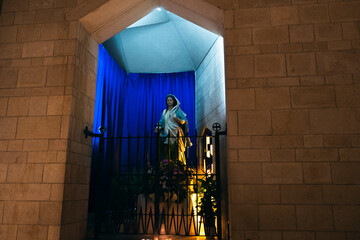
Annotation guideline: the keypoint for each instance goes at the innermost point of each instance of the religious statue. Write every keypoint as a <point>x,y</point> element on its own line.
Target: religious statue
<point>173,128</point>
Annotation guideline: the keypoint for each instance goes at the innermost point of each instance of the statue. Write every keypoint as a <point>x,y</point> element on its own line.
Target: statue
<point>173,128</point>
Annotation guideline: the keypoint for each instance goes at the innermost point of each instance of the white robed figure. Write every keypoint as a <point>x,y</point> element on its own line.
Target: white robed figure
<point>173,128</point>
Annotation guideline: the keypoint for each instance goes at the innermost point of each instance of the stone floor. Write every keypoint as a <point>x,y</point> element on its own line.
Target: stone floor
<point>150,237</point>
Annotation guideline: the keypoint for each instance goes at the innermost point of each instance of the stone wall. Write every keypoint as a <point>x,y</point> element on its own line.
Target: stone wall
<point>47,90</point>
<point>293,98</point>
<point>210,89</point>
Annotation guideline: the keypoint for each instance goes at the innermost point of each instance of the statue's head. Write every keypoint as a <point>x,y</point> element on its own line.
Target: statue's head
<point>171,100</point>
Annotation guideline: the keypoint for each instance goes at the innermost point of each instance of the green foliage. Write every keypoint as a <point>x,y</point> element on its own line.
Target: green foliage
<point>208,205</point>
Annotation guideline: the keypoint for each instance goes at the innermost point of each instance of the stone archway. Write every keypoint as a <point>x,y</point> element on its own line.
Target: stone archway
<point>97,21</point>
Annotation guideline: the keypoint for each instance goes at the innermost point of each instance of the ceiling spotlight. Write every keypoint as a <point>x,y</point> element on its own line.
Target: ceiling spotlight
<point>159,9</point>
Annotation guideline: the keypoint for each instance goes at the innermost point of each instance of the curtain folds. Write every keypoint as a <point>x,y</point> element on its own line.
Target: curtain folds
<point>131,105</point>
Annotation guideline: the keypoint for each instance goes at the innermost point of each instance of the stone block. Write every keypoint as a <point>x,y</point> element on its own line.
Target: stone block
<point>272,98</point>
<point>42,157</point>
<point>15,145</point>
<point>32,232</point>
<point>229,19</point>
<point>10,50</point>
<point>54,232</point>
<point>270,65</point>
<point>40,4</point>
<point>355,140</point>
<point>282,173</point>
<point>54,173</point>
<point>347,217</point>
<point>334,121</point>
<point>338,62</point>
<point>290,47</point>
<point>236,37</point>
<point>311,80</point>
<point>345,173</point>
<point>327,32</point>
<point>7,18</point>
<point>290,122</point>
<point>237,194</point>
<point>349,154</point>
<point>232,155</point>
<point>55,105</point>
<point>54,31</point>
<point>44,91</point>
<point>21,212</point>
<point>38,106</point>
<point>29,33</point>
<point>277,217</point>
<point>50,15</point>
<point>315,46</point>
<point>337,141</point>
<point>66,47</point>
<point>13,157</point>
<point>317,154</point>
<point>60,75</point>
<point>314,217</point>
<point>301,194</point>
<point>245,173</point>
<point>50,213</point>
<point>236,142</point>
<point>350,30</point>
<point>3,171</point>
<point>245,217</point>
<point>348,95</point>
<point>301,33</point>
<point>271,35</point>
<point>313,141</point>
<point>57,192</point>
<point>262,194</point>
<point>38,127</point>
<point>282,155</point>
<point>339,45</point>
<point>283,81</point>
<point>301,64</point>
<point>18,106</point>
<point>38,49</point>
<point>284,15</point>
<point>254,122</point>
<point>8,78</point>
<point>314,13</point>
<point>273,235</point>
<point>313,97</point>
<point>343,12</point>
<point>265,142</point>
<point>35,145</point>
<point>341,194</point>
<point>32,77</point>
<point>8,232</point>
<point>232,123</point>
<point>31,192</point>
<point>24,17</point>
<point>254,155</point>
<point>15,5</point>
<point>25,173</point>
<point>58,145</point>
<point>339,79</point>
<point>239,67</point>
<point>255,17</point>
<point>251,82</point>
<point>8,34</point>
<point>239,99</point>
<point>330,236</point>
<point>8,128</point>
<point>298,235</point>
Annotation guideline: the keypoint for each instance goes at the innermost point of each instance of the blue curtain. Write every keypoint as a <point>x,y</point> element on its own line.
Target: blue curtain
<point>131,105</point>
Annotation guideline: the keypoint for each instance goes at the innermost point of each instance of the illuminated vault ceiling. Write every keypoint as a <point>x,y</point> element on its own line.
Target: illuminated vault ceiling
<point>160,42</point>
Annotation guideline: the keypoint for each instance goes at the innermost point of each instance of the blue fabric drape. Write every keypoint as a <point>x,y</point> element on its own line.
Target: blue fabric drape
<point>131,105</point>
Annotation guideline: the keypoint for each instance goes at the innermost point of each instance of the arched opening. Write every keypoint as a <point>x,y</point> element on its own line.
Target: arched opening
<point>108,20</point>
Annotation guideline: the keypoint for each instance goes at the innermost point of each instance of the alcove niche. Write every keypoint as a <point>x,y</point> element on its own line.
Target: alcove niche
<point>184,36</point>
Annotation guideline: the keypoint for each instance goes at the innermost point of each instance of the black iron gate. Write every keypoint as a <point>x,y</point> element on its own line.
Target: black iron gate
<point>151,194</point>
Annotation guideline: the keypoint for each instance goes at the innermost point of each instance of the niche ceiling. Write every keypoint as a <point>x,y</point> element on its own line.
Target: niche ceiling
<point>160,42</point>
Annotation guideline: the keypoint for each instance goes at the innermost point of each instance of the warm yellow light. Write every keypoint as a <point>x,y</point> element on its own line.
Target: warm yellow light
<point>195,196</point>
